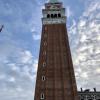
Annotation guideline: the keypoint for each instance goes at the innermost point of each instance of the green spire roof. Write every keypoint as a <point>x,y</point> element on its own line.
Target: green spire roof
<point>53,1</point>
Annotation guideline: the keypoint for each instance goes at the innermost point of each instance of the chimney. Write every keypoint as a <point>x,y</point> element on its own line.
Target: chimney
<point>81,90</point>
<point>94,89</point>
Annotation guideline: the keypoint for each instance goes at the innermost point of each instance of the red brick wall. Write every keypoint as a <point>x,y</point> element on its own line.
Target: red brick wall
<point>59,83</point>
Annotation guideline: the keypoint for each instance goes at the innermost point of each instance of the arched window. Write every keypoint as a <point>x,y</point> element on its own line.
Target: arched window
<point>42,96</point>
<point>44,64</point>
<point>52,16</point>
<point>43,78</point>
<point>59,15</point>
<point>55,15</point>
<point>48,16</point>
<point>44,53</point>
<point>45,43</point>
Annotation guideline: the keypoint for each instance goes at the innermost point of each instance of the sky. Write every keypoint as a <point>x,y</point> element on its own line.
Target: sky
<point>20,43</point>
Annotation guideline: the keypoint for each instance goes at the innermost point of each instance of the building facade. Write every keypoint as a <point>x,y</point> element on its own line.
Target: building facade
<point>89,95</point>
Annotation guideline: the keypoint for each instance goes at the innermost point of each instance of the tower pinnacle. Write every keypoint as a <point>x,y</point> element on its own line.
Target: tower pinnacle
<point>53,1</point>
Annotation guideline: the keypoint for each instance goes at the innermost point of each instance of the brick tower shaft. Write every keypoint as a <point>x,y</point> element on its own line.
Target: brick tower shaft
<point>55,75</point>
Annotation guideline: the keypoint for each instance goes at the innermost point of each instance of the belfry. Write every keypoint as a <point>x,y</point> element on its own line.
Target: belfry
<point>55,76</point>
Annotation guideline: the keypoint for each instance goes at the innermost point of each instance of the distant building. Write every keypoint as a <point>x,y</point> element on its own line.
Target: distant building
<point>89,95</point>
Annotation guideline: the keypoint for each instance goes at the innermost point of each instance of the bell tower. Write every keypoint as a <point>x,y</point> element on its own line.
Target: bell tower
<point>54,13</point>
<point>55,76</point>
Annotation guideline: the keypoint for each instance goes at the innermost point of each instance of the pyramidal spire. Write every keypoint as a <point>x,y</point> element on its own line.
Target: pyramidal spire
<point>53,1</point>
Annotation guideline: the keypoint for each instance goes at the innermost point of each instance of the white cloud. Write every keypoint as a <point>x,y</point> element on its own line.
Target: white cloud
<point>69,12</point>
<point>73,28</point>
<point>98,70</point>
<point>84,75</point>
<point>26,56</point>
<point>2,76</point>
<point>19,89</point>
<point>43,7</point>
<point>35,65</point>
<point>36,33</point>
<point>14,57</point>
<point>86,54</point>
<point>12,79</point>
<point>13,67</point>
<point>36,36</point>
<point>11,94</point>
<point>82,23</point>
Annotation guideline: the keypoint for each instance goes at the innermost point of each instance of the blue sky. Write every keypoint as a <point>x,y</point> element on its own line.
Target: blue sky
<point>20,42</point>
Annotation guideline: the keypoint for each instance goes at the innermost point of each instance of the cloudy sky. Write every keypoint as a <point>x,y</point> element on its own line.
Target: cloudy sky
<point>20,40</point>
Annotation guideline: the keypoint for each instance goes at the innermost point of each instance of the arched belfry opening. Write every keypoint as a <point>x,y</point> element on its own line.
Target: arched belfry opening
<point>48,15</point>
<point>52,16</point>
<point>55,15</point>
<point>59,15</point>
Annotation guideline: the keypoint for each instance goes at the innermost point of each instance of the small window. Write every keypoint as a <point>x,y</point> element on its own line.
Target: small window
<point>44,64</point>
<point>43,78</point>
<point>48,16</point>
<point>42,96</point>
<point>59,15</point>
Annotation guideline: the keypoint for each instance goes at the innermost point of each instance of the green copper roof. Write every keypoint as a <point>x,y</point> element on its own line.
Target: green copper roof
<point>53,1</point>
